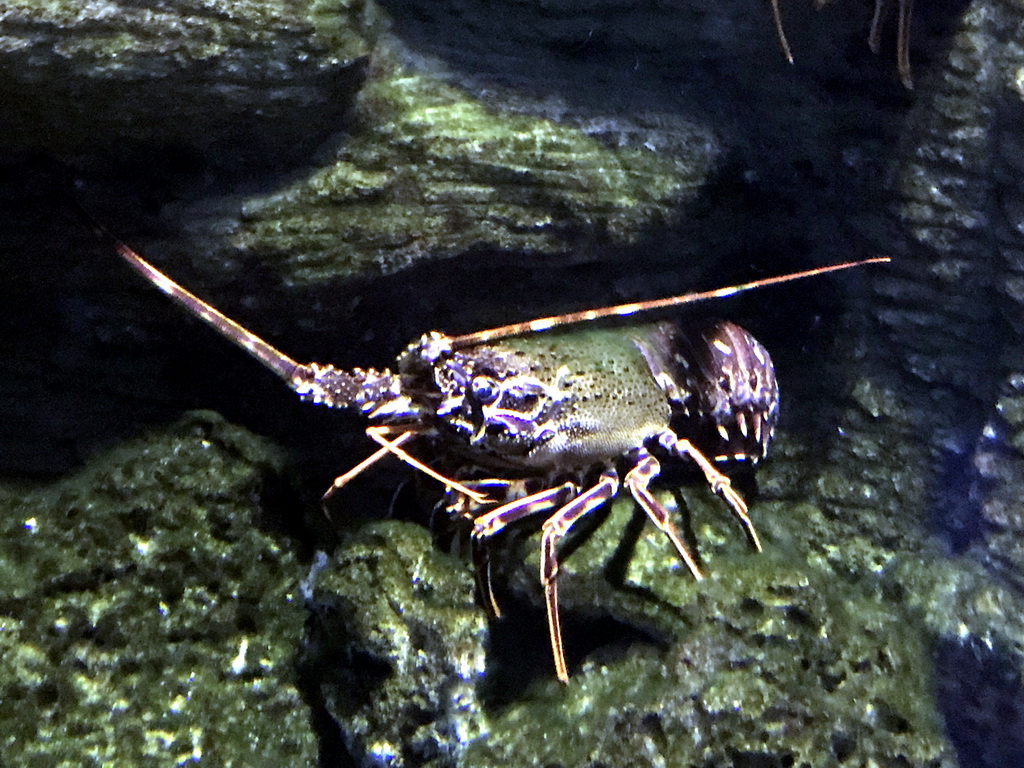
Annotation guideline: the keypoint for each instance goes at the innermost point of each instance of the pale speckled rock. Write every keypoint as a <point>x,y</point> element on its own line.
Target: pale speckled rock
<point>952,310</point>
<point>434,174</point>
<point>396,649</point>
<point>144,617</point>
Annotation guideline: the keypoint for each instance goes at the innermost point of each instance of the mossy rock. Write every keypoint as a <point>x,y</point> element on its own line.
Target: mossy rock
<point>146,619</point>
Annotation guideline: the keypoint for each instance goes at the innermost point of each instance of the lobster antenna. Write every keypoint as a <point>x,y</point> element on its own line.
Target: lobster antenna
<point>780,32</point>
<point>270,356</point>
<point>622,310</point>
<point>903,43</point>
<point>905,12</point>
<point>365,389</point>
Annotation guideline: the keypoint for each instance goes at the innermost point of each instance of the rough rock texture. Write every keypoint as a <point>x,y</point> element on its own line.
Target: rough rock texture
<point>438,175</point>
<point>237,82</point>
<point>144,616</point>
<point>343,178</point>
<point>959,331</point>
<point>395,649</point>
<point>771,661</point>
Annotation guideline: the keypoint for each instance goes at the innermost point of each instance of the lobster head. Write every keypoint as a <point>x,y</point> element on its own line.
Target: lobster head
<point>488,397</point>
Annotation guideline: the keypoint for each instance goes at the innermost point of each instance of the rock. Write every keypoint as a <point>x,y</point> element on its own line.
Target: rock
<point>145,615</point>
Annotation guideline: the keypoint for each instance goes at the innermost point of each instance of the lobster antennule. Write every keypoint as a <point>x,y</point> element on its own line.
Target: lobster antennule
<point>622,310</point>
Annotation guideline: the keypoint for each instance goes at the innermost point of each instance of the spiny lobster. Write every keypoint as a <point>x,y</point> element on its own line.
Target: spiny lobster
<point>551,421</point>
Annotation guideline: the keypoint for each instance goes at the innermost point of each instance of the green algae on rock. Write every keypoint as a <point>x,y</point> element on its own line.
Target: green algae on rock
<point>144,618</point>
<point>395,649</point>
<point>762,677</point>
<point>237,81</point>
<point>425,171</point>
<point>768,662</point>
<point>431,173</point>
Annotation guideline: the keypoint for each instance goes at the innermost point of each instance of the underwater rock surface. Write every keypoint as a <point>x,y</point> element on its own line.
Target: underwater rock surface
<point>235,83</point>
<point>770,661</point>
<point>395,649</point>
<point>144,617</point>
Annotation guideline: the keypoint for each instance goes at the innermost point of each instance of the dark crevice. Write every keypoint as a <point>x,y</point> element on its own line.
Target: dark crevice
<point>981,699</point>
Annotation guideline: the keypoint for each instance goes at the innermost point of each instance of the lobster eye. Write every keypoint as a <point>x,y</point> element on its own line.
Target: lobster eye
<point>485,389</point>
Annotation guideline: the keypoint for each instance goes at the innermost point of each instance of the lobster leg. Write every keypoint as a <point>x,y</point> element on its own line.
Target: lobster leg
<point>379,435</point>
<point>495,521</point>
<point>555,527</point>
<point>392,446</point>
<point>637,480</point>
<point>719,483</point>
<point>342,480</point>
<point>495,490</point>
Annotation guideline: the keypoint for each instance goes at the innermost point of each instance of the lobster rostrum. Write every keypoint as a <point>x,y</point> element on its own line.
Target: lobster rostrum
<point>547,428</point>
